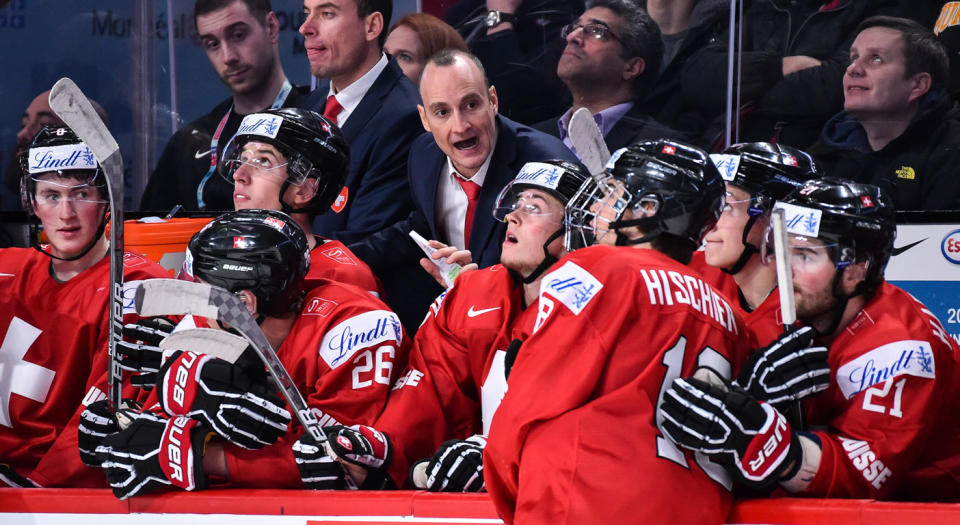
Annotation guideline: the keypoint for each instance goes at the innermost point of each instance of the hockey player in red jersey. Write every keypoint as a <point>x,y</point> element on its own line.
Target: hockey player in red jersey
<point>296,161</point>
<point>53,311</point>
<point>341,346</point>
<point>576,439</point>
<point>888,424</point>
<point>757,175</point>
<point>440,408</point>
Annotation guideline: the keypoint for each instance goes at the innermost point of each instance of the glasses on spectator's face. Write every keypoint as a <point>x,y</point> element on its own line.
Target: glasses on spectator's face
<point>597,30</point>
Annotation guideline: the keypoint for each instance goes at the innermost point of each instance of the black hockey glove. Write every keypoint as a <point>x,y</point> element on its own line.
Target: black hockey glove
<point>365,447</point>
<point>97,422</point>
<point>139,350</point>
<point>318,470</point>
<point>152,453</point>
<point>13,479</point>
<point>241,410</point>
<point>787,370</point>
<point>749,436</point>
<point>457,466</point>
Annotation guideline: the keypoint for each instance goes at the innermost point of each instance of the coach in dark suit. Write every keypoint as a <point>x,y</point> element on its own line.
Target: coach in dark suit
<point>367,95</point>
<point>610,61</point>
<point>470,150</point>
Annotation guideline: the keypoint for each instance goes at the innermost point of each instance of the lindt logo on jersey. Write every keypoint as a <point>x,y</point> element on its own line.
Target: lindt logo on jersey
<point>880,364</point>
<point>65,157</point>
<point>260,124</point>
<point>364,330</point>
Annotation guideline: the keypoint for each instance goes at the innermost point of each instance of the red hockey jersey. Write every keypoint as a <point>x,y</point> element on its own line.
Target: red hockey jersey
<point>343,353</point>
<point>332,260</point>
<point>575,439</point>
<point>891,416</point>
<point>53,360</point>
<point>455,379</point>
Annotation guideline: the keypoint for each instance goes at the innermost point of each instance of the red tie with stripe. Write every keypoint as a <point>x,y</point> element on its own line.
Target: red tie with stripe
<point>472,189</point>
<point>332,109</point>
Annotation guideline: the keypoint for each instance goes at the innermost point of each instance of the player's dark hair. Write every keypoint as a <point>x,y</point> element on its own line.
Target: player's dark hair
<point>258,8</point>
<point>447,57</point>
<point>640,37</point>
<point>384,7</point>
<point>675,247</point>
<point>924,53</point>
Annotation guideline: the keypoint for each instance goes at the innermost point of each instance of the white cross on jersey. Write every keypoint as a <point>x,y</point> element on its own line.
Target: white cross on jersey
<point>16,375</point>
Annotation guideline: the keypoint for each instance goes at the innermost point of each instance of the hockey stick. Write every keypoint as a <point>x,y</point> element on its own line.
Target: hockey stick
<point>172,297</point>
<point>217,343</point>
<point>788,310</point>
<point>72,106</point>
<point>588,141</point>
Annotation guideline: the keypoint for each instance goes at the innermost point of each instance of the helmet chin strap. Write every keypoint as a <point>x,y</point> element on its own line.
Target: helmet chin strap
<point>842,299</point>
<point>748,249</point>
<point>548,259</point>
<point>35,239</point>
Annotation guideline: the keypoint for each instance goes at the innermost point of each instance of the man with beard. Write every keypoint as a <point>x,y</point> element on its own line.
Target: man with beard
<point>887,424</point>
<point>240,38</point>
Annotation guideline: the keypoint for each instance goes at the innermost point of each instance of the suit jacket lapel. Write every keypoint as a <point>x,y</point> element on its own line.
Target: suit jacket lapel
<point>370,103</point>
<point>428,178</point>
<point>625,128</point>
<point>499,173</point>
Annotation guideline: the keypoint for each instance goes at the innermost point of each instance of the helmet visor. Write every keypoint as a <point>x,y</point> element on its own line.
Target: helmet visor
<point>262,159</point>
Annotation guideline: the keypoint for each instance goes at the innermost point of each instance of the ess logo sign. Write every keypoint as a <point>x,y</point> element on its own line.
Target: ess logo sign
<point>950,246</point>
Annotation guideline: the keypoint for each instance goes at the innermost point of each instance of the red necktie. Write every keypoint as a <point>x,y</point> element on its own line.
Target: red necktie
<point>332,109</point>
<point>472,189</point>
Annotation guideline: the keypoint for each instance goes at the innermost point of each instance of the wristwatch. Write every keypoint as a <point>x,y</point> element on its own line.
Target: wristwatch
<point>495,18</point>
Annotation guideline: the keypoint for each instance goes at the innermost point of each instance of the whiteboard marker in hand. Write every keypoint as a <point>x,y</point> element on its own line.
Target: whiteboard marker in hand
<point>449,271</point>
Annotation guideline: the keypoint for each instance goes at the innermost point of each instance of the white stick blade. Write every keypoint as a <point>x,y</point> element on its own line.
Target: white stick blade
<point>588,141</point>
<point>218,343</point>
<point>788,310</point>
<point>173,297</point>
<point>76,111</point>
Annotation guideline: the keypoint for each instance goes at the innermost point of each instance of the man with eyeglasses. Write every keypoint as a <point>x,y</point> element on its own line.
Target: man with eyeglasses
<point>240,38</point>
<point>296,161</point>
<point>887,424</point>
<point>576,439</point>
<point>611,60</point>
<point>455,172</point>
<point>53,312</point>
<point>440,409</point>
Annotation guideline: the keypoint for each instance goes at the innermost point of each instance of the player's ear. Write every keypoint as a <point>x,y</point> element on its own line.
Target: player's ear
<point>853,274</point>
<point>301,195</point>
<point>249,300</point>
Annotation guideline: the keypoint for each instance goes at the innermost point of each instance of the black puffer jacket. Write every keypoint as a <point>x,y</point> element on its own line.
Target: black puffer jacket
<point>793,108</point>
<point>918,168</point>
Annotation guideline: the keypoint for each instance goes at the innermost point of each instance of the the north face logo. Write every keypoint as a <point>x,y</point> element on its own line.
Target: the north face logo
<point>906,172</point>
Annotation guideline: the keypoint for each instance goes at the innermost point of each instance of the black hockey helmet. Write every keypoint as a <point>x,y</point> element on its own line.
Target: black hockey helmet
<point>57,153</point>
<point>857,220</point>
<point>675,184</point>
<point>768,172</point>
<point>559,178</point>
<point>314,148</point>
<point>264,251</point>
